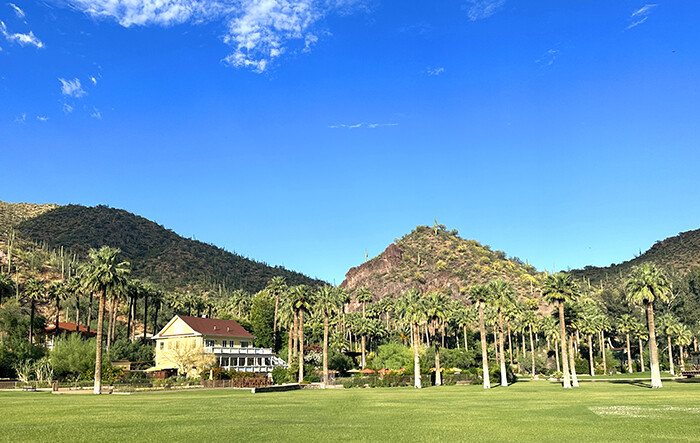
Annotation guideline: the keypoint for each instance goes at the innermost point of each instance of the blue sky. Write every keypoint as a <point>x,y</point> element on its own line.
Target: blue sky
<point>302,132</point>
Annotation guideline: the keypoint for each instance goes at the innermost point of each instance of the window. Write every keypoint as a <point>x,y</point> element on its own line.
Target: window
<point>224,343</point>
<point>209,343</point>
<point>245,344</point>
<point>162,345</point>
<point>224,361</point>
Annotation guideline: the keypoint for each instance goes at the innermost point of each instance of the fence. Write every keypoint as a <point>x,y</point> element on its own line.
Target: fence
<point>237,382</point>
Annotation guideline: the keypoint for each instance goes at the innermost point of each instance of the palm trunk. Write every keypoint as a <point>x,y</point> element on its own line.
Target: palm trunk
<point>290,343</point>
<point>31,324</point>
<point>438,374</point>
<point>77,311</point>
<point>653,350</point>
<point>325,349</point>
<point>363,345</point>
<point>89,317</point>
<point>295,328</point>
<point>466,344</point>
<point>416,358</point>
<point>602,350</point>
<point>556,355</point>
<point>501,350</point>
<point>641,355</point>
<point>563,340</point>
<point>572,363</point>
<point>145,314</point>
<point>155,319</point>
<point>680,350</point>
<point>274,320</point>
<point>590,354</point>
<point>484,352</point>
<point>109,324</point>
<point>98,350</point>
<point>58,311</point>
<point>130,317</point>
<point>629,353</point>
<point>301,346</point>
<point>532,352</point>
<point>670,354</point>
<point>510,344</point>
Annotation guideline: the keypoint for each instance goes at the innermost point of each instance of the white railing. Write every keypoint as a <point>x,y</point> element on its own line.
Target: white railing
<point>238,351</point>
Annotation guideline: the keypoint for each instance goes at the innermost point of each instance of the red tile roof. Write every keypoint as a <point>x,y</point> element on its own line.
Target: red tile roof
<point>68,327</point>
<point>215,326</point>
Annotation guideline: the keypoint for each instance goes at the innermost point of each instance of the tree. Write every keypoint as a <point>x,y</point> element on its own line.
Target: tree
<point>501,297</point>
<point>558,289</point>
<point>641,334</point>
<point>669,324</point>
<point>435,305</point>
<point>7,286</point>
<point>57,292</point>
<point>479,294</point>
<point>363,295</point>
<point>100,275</point>
<point>530,319</point>
<point>327,303</point>
<point>301,302</point>
<point>189,357</point>
<point>626,325</point>
<point>261,318</point>
<point>276,287</point>
<point>34,290</point>
<point>410,308</point>
<point>684,337</point>
<point>645,285</point>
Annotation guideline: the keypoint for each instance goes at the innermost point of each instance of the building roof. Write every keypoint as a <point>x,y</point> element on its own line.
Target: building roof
<point>68,327</point>
<point>215,326</point>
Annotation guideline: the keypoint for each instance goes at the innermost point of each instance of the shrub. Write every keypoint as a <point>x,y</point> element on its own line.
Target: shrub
<point>281,376</point>
<point>391,356</point>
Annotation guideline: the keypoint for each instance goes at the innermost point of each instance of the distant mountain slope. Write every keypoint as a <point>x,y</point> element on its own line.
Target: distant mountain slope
<point>13,213</point>
<point>432,258</point>
<point>156,254</point>
<point>680,253</point>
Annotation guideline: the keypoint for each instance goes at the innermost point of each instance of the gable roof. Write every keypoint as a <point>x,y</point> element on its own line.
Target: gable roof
<point>68,327</point>
<point>215,326</point>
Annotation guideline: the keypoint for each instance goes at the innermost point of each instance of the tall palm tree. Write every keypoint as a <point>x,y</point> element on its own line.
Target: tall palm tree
<point>435,305</point>
<point>326,305</point>
<point>409,306</point>
<point>301,301</point>
<point>550,327</point>
<point>73,287</point>
<point>641,334</point>
<point>276,287</point>
<point>501,297</point>
<point>101,274</point>
<point>363,295</point>
<point>57,292</point>
<point>669,324</point>
<point>645,285</point>
<point>530,319</point>
<point>7,286</point>
<point>586,322</point>
<point>684,337</point>
<point>560,288</point>
<point>479,294</point>
<point>34,291</point>
<point>625,325</point>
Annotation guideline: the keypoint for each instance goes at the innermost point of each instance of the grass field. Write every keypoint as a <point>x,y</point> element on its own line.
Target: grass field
<point>526,411</point>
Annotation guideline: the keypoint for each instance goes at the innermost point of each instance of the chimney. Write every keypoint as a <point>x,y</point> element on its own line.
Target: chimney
<point>215,327</point>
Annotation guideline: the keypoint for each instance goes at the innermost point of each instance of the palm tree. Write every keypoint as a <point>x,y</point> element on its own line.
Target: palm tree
<point>626,325</point>
<point>435,305</point>
<point>100,275</point>
<point>7,286</point>
<point>560,288</point>
<point>479,294</point>
<point>647,284</point>
<point>641,334</point>
<point>57,292</point>
<point>586,322</point>
<point>684,337</point>
<point>73,287</point>
<point>551,332</point>
<point>276,287</point>
<point>669,325</point>
<point>301,301</point>
<point>326,305</point>
<point>501,297</point>
<point>363,295</point>
<point>410,308</point>
<point>530,319</point>
<point>34,290</point>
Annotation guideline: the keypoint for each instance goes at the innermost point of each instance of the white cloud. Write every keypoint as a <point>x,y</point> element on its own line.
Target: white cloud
<point>41,118</point>
<point>18,10</point>
<point>363,125</point>
<point>479,9</point>
<point>548,57</point>
<point>21,39</point>
<point>22,118</point>
<point>640,15</point>
<point>67,108</point>
<point>93,80</point>
<point>96,113</point>
<point>436,71</point>
<point>259,31</point>
<point>71,88</point>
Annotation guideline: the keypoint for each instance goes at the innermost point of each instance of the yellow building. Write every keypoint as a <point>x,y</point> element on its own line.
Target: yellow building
<point>184,340</point>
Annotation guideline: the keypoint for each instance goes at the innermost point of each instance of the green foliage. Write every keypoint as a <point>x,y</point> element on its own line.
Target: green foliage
<point>281,376</point>
<point>136,351</point>
<point>72,356</point>
<point>14,346</point>
<point>339,362</point>
<point>391,356</point>
<point>262,312</point>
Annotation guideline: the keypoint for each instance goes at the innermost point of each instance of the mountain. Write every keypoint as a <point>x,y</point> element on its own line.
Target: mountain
<point>433,258</point>
<point>678,254</point>
<point>13,213</point>
<point>156,254</point>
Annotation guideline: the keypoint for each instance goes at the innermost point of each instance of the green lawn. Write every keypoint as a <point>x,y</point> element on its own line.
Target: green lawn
<point>526,411</point>
<point>644,375</point>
